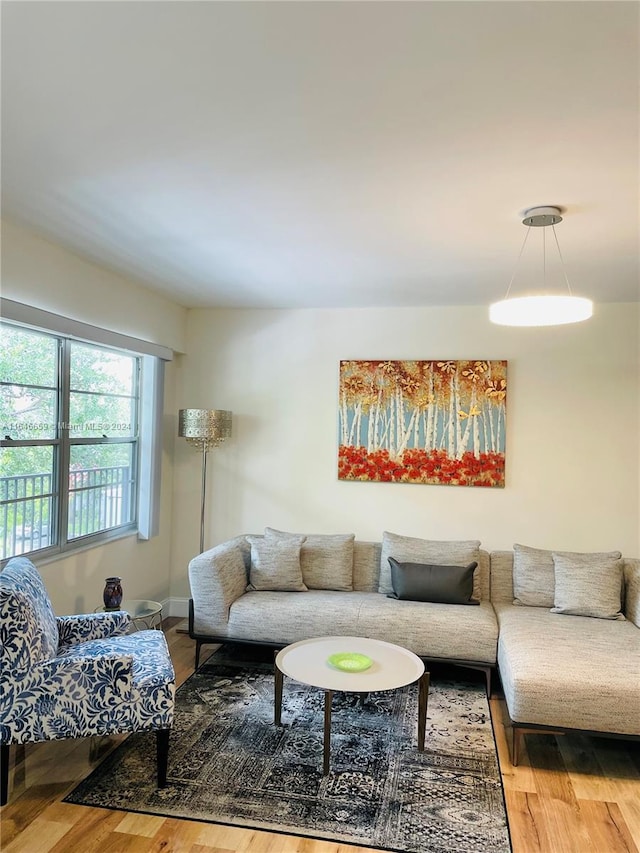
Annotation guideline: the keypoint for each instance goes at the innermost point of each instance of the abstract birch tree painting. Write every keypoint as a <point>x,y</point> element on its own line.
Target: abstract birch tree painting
<point>434,422</point>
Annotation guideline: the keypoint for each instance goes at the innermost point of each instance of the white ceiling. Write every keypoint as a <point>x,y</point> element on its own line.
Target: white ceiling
<point>293,154</point>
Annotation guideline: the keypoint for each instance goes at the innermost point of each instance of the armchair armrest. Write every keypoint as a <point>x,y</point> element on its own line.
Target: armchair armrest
<point>67,697</point>
<point>632,591</point>
<point>217,578</point>
<point>91,626</point>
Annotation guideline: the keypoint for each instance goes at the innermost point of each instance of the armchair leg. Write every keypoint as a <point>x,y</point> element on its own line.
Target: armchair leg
<point>162,743</point>
<point>4,773</point>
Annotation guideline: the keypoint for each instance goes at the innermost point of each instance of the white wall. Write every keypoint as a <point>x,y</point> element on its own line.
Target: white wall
<point>46,276</point>
<point>573,428</point>
<point>43,274</point>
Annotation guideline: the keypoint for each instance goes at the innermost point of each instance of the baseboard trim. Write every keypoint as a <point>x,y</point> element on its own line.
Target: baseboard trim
<point>175,607</point>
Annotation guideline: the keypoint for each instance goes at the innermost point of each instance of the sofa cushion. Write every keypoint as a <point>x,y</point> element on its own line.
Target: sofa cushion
<point>534,573</point>
<point>412,550</point>
<point>275,564</point>
<point>434,631</point>
<point>533,577</point>
<point>428,582</point>
<point>428,630</point>
<point>281,617</point>
<point>553,670</point>
<point>326,559</point>
<point>588,587</point>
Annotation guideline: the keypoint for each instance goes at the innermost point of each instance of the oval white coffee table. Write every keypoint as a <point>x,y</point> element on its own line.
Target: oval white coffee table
<point>392,667</point>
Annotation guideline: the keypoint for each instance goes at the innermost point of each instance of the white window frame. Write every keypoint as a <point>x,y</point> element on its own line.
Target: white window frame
<point>151,389</point>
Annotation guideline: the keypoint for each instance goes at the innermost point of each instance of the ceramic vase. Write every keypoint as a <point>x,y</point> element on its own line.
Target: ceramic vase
<point>112,594</point>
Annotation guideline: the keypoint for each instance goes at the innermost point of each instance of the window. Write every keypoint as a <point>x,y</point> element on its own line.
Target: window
<point>69,421</point>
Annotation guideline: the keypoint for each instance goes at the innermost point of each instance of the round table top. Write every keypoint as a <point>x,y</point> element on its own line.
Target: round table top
<point>137,608</point>
<point>307,662</point>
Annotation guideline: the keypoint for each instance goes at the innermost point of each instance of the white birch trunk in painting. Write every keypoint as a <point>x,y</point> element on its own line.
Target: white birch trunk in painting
<point>355,426</point>
<point>402,446</point>
<point>476,424</point>
<point>451,430</point>
<point>391,440</point>
<point>464,443</point>
<point>399,421</point>
<point>457,409</point>
<point>376,432</point>
<point>343,425</point>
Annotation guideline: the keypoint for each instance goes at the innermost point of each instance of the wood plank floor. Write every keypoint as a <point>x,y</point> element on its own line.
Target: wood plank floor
<point>569,794</point>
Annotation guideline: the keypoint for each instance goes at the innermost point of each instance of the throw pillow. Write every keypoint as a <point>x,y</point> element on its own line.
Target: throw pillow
<point>533,577</point>
<point>275,564</point>
<point>439,584</point>
<point>588,587</point>
<point>326,559</point>
<point>534,574</point>
<point>412,550</point>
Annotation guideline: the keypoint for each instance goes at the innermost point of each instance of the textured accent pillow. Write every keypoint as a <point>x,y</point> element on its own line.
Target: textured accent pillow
<point>275,564</point>
<point>426,582</point>
<point>588,587</point>
<point>533,577</point>
<point>534,574</point>
<point>411,550</point>
<point>326,559</point>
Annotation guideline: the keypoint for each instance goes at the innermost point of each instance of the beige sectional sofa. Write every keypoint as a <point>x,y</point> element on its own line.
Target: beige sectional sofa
<point>223,609</point>
<point>560,672</point>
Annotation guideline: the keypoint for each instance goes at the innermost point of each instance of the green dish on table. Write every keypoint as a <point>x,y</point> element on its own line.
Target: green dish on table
<point>350,661</point>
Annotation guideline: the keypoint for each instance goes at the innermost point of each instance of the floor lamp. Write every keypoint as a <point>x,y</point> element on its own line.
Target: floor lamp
<point>204,429</point>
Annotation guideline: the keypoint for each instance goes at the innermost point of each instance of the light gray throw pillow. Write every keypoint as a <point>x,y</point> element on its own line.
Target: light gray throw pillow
<point>533,577</point>
<point>275,564</point>
<point>534,580</point>
<point>588,587</point>
<point>326,559</point>
<point>409,549</point>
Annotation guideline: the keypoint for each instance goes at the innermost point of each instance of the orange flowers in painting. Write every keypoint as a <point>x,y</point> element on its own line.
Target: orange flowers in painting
<point>431,422</point>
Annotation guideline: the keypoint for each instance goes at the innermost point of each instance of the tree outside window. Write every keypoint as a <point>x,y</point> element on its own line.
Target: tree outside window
<point>69,425</point>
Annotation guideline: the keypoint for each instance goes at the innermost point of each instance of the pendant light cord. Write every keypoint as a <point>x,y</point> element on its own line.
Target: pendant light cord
<point>564,272</point>
<point>515,269</point>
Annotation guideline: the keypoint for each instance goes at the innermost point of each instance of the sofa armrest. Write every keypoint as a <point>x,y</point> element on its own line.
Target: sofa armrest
<point>632,590</point>
<point>91,626</point>
<point>217,578</point>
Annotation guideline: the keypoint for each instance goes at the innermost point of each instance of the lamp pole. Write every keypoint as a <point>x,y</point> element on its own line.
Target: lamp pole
<point>204,429</point>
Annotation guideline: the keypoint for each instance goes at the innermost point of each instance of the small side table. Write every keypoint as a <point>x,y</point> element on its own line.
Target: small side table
<point>144,613</point>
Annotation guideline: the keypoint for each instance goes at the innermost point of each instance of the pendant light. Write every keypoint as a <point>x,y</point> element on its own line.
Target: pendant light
<point>543,309</point>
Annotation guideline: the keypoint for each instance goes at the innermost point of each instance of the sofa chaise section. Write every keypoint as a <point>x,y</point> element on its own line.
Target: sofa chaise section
<point>564,673</point>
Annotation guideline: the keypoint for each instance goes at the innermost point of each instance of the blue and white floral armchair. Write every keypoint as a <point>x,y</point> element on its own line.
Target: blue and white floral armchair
<point>75,676</point>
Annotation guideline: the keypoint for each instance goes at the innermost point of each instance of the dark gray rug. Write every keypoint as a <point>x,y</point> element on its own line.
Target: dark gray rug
<point>229,764</point>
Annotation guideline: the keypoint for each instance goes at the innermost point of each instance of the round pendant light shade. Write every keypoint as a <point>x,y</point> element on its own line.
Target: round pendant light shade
<point>542,309</point>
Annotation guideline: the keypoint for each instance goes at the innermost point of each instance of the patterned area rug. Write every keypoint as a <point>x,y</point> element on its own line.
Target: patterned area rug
<point>229,764</point>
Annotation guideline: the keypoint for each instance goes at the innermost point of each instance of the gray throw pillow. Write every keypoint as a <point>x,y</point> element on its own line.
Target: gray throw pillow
<point>436,552</point>
<point>438,584</point>
<point>588,587</point>
<point>326,559</point>
<point>533,577</point>
<point>534,580</point>
<point>275,564</point>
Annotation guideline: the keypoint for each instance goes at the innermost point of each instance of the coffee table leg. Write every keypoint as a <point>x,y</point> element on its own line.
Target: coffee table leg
<point>423,695</point>
<point>328,700</point>
<point>277,707</point>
